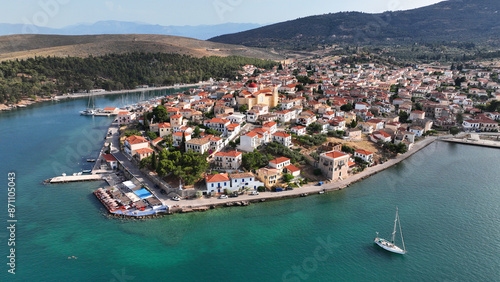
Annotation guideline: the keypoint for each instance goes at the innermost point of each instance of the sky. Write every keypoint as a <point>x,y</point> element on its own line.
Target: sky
<point>60,13</point>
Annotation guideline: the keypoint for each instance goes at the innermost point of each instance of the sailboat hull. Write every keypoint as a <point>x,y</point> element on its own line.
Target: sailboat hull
<point>388,246</point>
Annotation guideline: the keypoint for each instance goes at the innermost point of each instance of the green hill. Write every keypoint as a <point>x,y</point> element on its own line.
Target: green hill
<point>476,21</point>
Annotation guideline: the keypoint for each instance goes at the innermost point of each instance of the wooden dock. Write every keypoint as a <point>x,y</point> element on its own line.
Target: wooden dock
<point>76,178</point>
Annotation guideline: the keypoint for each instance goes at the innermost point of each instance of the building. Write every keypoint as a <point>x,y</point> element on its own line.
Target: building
<point>198,145</point>
<point>270,126</point>
<point>125,117</point>
<point>228,160</point>
<point>249,141</point>
<point>366,156</point>
<point>177,138</point>
<point>111,161</point>
<point>299,130</point>
<point>283,138</point>
<point>164,129</point>
<point>279,163</point>
<point>143,153</point>
<point>334,165</point>
<point>134,143</point>
<point>240,181</point>
<point>218,124</point>
<point>269,176</point>
<point>216,183</point>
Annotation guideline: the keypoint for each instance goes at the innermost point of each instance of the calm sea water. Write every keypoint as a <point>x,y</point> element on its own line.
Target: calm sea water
<point>448,197</point>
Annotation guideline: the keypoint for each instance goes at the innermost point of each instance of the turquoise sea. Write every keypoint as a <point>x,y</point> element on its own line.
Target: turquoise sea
<point>448,197</point>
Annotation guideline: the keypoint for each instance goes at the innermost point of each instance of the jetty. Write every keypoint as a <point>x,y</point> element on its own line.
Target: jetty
<point>76,178</point>
<point>474,142</point>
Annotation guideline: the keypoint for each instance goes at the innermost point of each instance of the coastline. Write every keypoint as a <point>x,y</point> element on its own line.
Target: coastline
<point>25,103</point>
<point>203,204</point>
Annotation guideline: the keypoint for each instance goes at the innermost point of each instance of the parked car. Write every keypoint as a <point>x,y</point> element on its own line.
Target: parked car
<point>176,198</point>
<point>254,193</point>
<point>289,188</point>
<point>279,189</point>
<point>223,197</point>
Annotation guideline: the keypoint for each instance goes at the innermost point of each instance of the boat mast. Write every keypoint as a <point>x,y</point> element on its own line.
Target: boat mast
<point>400,231</point>
<point>394,231</point>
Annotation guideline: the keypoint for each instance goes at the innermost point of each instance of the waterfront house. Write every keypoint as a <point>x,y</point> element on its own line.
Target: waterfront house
<point>419,131</point>
<point>111,161</point>
<point>244,180</point>
<point>334,165</point>
<point>269,176</point>
<point>366,156</point>
<point>228,160</point>
<point>134,143</point>
<point>216,183</point>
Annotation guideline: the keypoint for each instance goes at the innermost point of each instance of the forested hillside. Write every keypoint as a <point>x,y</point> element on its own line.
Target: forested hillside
<point>43,76</point>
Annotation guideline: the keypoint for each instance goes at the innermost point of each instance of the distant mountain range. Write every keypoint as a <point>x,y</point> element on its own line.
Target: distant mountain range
<point>201,32</point>
<point>476,21</point>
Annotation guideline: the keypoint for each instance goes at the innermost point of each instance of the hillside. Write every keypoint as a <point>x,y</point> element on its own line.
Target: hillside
<point>30,45</point>
<point>475,21</point>
<point>201,32</point>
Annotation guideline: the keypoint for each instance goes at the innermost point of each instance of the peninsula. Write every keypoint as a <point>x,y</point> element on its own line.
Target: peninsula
<point>299,128</point>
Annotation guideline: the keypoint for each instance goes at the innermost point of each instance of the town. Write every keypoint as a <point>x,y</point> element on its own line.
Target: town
<point>307,122</point>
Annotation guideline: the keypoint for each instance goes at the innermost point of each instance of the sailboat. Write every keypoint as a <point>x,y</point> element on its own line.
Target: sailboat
<point>390,246</point>
<point>90,111</point>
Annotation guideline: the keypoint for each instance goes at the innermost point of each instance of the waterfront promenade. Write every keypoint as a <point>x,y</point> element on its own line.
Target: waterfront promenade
<point>308,189</point>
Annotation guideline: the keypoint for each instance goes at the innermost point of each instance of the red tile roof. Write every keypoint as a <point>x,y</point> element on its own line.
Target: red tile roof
<point>363,152</point>
<point>335,154</point>
<point>216,178</point>
<point>282,134</point>
<point>292,168</point>
<point>109,158</point>
<point>134,139</point>
<point>144,151</point>
<point>279,160</point>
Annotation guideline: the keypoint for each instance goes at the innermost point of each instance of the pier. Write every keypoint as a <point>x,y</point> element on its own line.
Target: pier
<point>76,178</point>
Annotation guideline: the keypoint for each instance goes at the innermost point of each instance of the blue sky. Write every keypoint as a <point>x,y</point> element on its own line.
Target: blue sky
<point>59,13</point>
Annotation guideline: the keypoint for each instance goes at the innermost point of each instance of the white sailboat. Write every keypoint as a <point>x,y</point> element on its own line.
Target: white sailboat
<point>390,246</point>
<point>90,111</point>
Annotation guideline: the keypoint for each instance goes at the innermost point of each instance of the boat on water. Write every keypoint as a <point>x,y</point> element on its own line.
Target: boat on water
<point>91,110</point>
<point>390,245</point>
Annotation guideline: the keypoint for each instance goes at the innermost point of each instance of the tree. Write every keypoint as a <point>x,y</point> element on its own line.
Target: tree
<point>153,161</point>
<point>403,117</point>
<point>243,108</point>
<point>288,177</point>
<point>160,114</point>
<point>454,130</point>
<point>353,123</point>
<point>196,132</point>
<point>460,118</point>
<point>347,107</point>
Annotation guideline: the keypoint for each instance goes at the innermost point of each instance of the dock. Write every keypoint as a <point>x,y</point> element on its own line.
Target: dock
<point>481,142</point>
<point>76,178</point>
